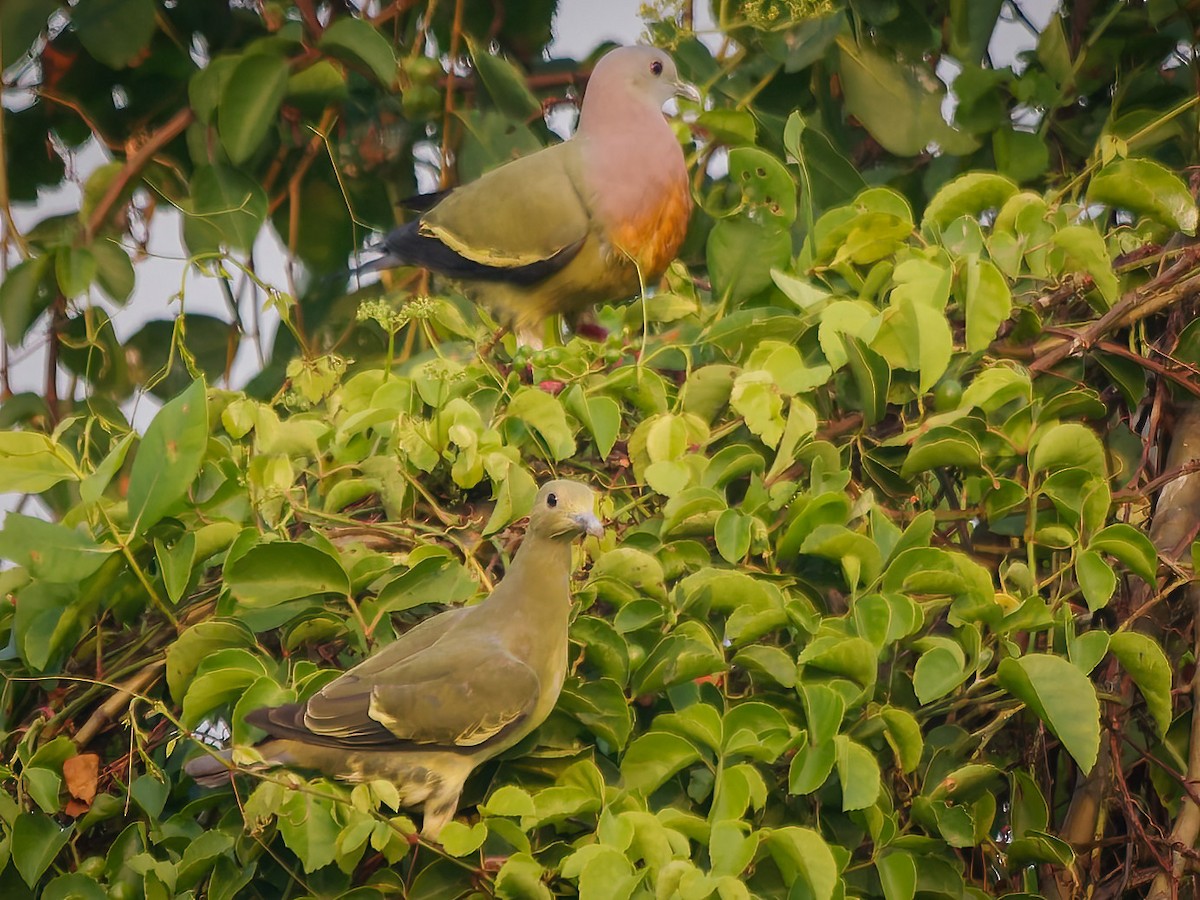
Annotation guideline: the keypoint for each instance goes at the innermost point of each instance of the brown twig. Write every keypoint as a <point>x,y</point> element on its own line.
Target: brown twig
<point>392,11</point>
<point>1159,369</point>
<point>311,149</point>
<point>107,712</point>
<point>1174,284</point>
<point>134,164</point>
<point>58,318</point>
<point>1187,824</point>
<point>446,176</point>
<point>308,16</point>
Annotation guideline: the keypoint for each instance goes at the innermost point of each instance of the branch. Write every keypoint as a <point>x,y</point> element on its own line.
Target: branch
<point>1187,823</point>
<point>108,711</point>
<point>1178,282</point>
<point>134,164</point>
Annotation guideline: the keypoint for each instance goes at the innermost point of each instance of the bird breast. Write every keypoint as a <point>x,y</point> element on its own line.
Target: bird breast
<point>640,193</point>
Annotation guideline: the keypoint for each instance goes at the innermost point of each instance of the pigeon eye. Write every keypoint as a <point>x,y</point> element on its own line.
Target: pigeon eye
<point>656,68</point>
<point>551,500</point>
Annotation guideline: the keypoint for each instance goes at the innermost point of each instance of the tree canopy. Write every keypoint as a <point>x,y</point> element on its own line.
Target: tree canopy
<point>897,595</point>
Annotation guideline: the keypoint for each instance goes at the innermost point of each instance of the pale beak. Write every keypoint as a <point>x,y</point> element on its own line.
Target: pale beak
<point>683,89</point>
<point>589,524</point>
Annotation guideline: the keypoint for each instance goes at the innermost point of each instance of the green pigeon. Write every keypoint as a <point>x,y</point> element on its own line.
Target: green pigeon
<point>590,220</point>
<point>452,692</point>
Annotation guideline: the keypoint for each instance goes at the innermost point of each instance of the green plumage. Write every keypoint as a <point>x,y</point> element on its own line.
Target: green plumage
<point>450,693</point>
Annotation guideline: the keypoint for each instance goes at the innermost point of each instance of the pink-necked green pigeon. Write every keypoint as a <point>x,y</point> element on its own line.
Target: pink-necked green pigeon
<point>455,690</point>
<point>571,225</point>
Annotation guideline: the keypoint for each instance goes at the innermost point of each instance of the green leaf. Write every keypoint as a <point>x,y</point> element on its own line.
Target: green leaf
<point>175,563</point>
<point>51,552</point>
<point>989,301</point>
<point>943,446</point>
<point>759,402</point>
<point>250,102</point>
<point>857,554</point>
<point>938,671</point>
<point>36,841</point>
<point>93,487</point>
<point>653,758</point>
<point>872,377</point>
<point>827,177</point>
<point>1087,649</point>
<point>114,271</point>
<point>741,254</point>
<point>1061,696</point>
<point>967,195</point>
<point>43,785</point>
<point>1087,252</point>
<point>1069,445</point>
<point>756,730</point>
<point>168,458</point>
<point>226,208</point>
<point>904,734</point>
<point>1021,155</point>
<point>915,336</point>
<point>514,498</point>
<point>771,662</point>
<point>544,414</point>
<point>1040,847</point>
<point>688,653</point>
<point>1130,546</point>
<point>310,828</point>
<point>810,767</point>
<point>74,886</point>
<point>768,190</point>
<point>728,126</point>
<point>604,873</point>
<point>31,463</point>
<point>150,794</point>
<point>25,293</point>
<point>509,800</point>
<point>191,648</point>
<point>435,579</point>
<point>356,41</point>
<point>1096,579</point>
<point>600,415</point>
<point>520,878</point>
<point>601,707</point>
<point>115,32</point>
<point>897,874</point>
<point>731,847</point>
<point>896,103</point>
<point>505,83</point>
<point>1144,660</point>
<point>75,270</point>
<point>732,533</point>
<point>460,840</point>
<point>859,773</point>
<point>853,657</point>
<point>22,21</point>
<point>270,574</point>
<point>824,709</point>
<point>802,852</point>
<point>1147,188</point>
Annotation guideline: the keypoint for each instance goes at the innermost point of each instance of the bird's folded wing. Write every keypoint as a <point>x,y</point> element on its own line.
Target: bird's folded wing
<point>525,212</point>
<point>414,641</point>
<point>459,695</point>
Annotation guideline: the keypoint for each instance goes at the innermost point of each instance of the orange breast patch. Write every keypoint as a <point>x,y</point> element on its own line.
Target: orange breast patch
<point>654,237</point>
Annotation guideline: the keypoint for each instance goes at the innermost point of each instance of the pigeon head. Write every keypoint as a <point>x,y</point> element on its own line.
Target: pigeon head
<point>565,509</point>
<point>644,73</point>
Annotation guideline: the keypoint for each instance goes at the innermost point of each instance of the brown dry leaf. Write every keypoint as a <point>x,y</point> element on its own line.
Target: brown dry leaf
<point>76,808</point>
<point>80,773</point>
